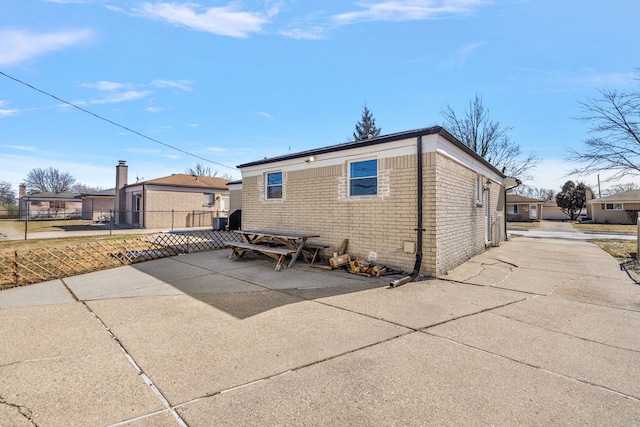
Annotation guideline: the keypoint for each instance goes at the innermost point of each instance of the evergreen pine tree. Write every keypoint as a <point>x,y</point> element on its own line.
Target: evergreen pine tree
<point>366,126</point>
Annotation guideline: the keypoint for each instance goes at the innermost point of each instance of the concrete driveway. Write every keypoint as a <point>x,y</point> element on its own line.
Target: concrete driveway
<point>535,332</point>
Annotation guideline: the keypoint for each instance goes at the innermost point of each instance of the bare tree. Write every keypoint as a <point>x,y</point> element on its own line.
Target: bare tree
<point>48,181</point>
<point>84,189</point>
<point>490,139</point>
<point>201,170</point>
<point>7,195</point>
<point>620,188</point>
<point>541,194</point>
<point>614,144</point>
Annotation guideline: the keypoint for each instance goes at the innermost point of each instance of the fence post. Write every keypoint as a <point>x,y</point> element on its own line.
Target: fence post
<point>172,218</point>
<point>112,218</point>
<point>638,239</point>
<point>193,214</point>
<point>15,268</point>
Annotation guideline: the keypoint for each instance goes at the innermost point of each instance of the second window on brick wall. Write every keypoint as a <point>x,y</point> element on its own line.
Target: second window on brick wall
<point>363,178</point>
<point>274,185</point>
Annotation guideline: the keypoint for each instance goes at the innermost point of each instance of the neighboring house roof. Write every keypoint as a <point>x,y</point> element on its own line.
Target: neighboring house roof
<point>103,193</point>
<point>626,196</point>
<point>376,141</point>
<point>52,196</point>
<point>184,180</point>
<point>516,198</point>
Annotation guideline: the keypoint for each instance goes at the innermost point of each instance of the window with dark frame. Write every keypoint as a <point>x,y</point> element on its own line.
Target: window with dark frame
<point>274,185</point>
<point>512,209</point>
<point>363,178</point>
<point>611,206</point>
<point>209,199</point>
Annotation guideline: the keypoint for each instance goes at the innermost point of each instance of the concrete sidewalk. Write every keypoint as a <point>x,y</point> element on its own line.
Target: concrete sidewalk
<point>535,332</point>
<point>564,230</point>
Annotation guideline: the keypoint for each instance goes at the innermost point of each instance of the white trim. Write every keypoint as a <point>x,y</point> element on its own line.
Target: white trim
<point>404,147</point>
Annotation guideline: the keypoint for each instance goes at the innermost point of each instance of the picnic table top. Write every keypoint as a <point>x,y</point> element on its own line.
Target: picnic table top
<point>280,234</point>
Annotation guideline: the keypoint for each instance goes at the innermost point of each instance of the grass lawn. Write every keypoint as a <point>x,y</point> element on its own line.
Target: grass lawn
<point>620,249</point>
<point>606,228</point>
<point>26,245</point>
<point>522,225</point>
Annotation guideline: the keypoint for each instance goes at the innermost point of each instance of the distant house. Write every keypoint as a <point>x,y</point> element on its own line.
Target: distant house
<point>99,205</point>
<point>619,208</point>
<point>49,205</point>
<point>551,211</point>
<point>417,200</point>
<point>520,208</point>
<point>175,201</point>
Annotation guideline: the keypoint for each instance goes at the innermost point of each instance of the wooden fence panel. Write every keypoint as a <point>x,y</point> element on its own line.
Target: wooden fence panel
<point>39,265</point>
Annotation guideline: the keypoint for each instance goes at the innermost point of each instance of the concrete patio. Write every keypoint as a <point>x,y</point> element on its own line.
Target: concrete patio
<point>535,332</point>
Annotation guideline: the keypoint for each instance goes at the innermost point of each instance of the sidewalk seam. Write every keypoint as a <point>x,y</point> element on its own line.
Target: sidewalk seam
<point>628,396</point>
<point>139,370</point>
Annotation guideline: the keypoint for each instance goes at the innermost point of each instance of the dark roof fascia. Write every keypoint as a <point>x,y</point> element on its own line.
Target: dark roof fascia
<point>376,141</point>
<point>52,196</point>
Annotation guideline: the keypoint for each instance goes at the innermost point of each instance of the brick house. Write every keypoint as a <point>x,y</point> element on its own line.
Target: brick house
<point>520,208</point>
<point>619,208</point>
<point>175,201</point>
<point>49,205</point>
<point>98,205</point>
<point>368,192</point>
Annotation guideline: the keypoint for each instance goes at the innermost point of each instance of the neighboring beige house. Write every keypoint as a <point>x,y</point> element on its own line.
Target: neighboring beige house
<point>235,196</point>
<point>520,208</point>
<point>619,208</point>
<point>50,205</point>
<point>551,211</point>
<point>98,206</point>
<point>368,192</point>
<point>176,201</point>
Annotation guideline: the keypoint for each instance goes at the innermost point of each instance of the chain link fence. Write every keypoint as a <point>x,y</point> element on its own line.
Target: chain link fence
<point>30,226</point>
<point>18,268</point>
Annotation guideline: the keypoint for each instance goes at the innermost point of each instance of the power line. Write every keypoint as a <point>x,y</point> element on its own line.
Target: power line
<point>114,123</point>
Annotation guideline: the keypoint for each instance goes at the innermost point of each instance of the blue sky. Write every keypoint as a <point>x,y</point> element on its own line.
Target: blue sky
<point>237,81</point>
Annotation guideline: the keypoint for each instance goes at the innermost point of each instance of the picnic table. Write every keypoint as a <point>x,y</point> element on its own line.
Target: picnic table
<point>274,244</point>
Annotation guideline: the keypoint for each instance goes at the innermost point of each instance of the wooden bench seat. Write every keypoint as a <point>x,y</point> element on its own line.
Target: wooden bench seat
<point>238,249</point>
<point>314,249</point>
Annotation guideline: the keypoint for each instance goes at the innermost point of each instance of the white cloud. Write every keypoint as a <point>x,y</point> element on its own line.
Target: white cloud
<point>460,56</point>
<point>406,10</point>
<point>107,86</point>
<point>224,21</point>
<point>18,45</point>
<point>217,149</point>
<point>130,95</point>
<point>8,112</point>
<point>557,82</point>
<point>152,109</point>
<point>265,115</point>
<point>180,84</point>
<point>20,147</point>
<point>313,33</point>
<point>67,1</point>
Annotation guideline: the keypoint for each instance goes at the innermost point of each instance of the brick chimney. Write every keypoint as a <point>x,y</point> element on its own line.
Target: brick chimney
<point>122,172</point>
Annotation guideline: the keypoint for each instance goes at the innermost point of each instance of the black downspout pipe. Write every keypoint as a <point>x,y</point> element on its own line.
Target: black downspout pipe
<point>416,268</point>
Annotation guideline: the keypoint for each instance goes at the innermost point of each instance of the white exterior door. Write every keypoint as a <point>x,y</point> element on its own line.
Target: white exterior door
<point>533,211</point>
